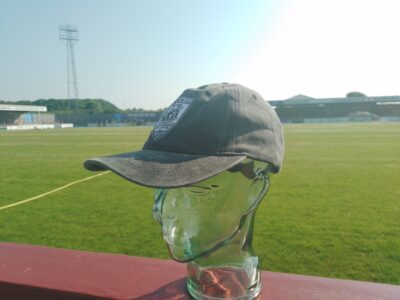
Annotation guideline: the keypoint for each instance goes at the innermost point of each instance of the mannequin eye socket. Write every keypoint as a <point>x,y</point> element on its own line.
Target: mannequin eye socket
<point>201,189</point>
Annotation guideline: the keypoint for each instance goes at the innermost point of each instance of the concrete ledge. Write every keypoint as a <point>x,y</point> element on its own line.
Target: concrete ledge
<point>35,272</point>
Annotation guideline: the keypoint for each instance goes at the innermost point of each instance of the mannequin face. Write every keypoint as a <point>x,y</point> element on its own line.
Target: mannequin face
<point>197,219</point>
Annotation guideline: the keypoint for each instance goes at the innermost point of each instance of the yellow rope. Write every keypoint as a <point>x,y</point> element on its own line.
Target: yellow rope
<point>52,191</point>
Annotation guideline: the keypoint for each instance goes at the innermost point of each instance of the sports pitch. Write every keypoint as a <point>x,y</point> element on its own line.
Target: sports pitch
<point>333,211</point>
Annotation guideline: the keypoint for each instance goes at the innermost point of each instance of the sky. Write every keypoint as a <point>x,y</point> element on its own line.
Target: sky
<point>143,54</point>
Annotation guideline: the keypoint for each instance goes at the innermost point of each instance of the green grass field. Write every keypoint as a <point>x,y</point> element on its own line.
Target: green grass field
<point>334,210</point>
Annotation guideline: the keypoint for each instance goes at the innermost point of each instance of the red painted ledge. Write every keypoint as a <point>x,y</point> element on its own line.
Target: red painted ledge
<point>35,272</point>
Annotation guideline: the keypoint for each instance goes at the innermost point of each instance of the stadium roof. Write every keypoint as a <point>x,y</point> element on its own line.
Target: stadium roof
<point>300,97</point>
<point>22,108</point>
<point>303,100</point>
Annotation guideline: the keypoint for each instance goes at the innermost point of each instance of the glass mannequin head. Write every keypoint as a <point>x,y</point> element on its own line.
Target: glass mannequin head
<point>201,218</point>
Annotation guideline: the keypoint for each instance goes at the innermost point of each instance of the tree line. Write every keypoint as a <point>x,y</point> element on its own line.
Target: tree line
<point>68,106</point>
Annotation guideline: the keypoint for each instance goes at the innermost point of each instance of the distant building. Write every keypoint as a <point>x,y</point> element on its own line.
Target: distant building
<point>14,117</point>
<point>305,109</point>
<point>109,119</point>
<point>144,117</point>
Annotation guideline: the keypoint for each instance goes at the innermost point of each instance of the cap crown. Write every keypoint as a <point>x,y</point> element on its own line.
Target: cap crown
<point>220,120</point>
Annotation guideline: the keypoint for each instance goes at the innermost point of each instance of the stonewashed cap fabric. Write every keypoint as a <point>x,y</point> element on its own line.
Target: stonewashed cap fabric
<point>207,130</point>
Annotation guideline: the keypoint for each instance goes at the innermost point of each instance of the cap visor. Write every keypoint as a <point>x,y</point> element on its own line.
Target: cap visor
<point>161,169</point>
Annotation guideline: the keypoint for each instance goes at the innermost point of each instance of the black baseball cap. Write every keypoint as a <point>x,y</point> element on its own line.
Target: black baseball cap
<point>206,131</point>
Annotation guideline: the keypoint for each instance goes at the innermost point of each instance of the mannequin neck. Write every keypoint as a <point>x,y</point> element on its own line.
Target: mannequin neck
<point>231,271</point>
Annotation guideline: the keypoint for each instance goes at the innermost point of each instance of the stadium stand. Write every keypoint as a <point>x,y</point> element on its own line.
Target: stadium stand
<point>13,117</point>
<point>305,109</point>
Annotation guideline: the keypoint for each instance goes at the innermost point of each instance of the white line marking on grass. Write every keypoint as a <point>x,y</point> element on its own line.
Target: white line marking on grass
<point>52,191</point>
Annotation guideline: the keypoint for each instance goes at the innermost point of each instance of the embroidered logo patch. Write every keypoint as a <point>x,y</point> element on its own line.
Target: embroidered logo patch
<point>170,118</point>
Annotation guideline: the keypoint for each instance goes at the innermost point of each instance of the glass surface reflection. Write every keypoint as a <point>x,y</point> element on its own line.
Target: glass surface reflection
<point>210,225</point>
